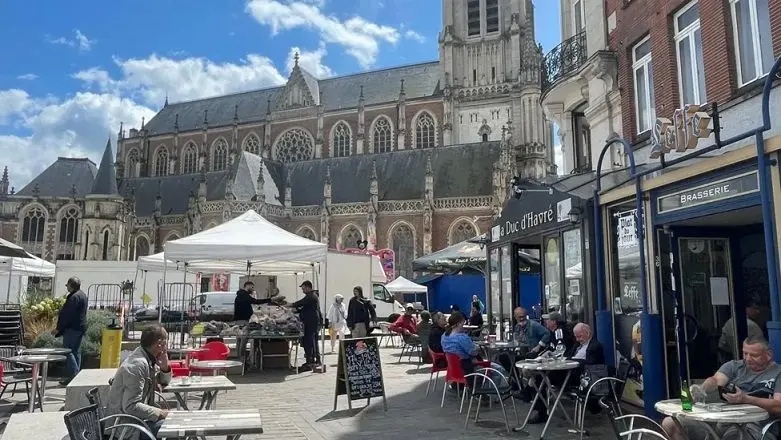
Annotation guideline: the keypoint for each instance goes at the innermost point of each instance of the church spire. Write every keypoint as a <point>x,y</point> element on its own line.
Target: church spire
<point>105,182</point>
<point>4,182</point>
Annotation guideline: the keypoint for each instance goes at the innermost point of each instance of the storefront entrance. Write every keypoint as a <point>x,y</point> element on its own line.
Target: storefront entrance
<point>714,267</point>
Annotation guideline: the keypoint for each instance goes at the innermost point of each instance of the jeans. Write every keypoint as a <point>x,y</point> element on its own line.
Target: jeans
<point>359,330</point>
<point>155,426</point>
<point>309,341</point>
<point>72,339</point>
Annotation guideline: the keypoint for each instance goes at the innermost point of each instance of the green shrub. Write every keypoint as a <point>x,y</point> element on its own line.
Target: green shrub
<point>97,320</point>
<point>47,340</point>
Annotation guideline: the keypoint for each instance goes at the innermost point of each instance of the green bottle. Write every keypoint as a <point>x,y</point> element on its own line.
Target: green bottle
<point>686,396</point>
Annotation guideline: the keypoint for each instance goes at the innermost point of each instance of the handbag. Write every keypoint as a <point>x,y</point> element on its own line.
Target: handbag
<point>592,373</point>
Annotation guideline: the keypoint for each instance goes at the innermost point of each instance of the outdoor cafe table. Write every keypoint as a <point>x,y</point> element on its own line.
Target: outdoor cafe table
<point>544,368</point>
<point>737,415</point>
<point>230,423</point>
<point>208,385</point>
<point>36,361</point>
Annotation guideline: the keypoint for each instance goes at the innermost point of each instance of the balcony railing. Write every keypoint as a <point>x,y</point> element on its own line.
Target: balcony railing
<point>564,59</point>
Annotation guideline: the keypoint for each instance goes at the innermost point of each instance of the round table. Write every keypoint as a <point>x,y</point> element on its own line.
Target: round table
<point>737,415</point>
<point>36,361</point>
<point>46,351</point>
<point>544,368</point>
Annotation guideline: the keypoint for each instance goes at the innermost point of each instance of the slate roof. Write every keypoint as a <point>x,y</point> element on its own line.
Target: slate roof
<point>245,185</point>
<point>379,86</point>
<point>459,171</point>
<point>60,177</point>
<point>106,180</point>
<point>174,191</point>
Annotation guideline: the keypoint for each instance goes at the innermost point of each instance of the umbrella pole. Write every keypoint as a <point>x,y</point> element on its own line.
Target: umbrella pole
<point>10,274</point>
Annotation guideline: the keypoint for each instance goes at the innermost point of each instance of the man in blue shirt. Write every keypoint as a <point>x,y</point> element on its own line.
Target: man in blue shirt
<point>530,332</point>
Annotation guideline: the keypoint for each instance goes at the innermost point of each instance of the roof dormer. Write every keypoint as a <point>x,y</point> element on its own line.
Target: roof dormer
<point>301,91</point>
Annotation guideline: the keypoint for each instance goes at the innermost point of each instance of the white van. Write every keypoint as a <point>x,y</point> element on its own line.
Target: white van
<point>214,306</point>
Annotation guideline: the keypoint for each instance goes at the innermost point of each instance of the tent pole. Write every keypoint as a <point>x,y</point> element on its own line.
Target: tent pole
<point>10,274</point>
<point>325,294</point>
<point>161,294</point>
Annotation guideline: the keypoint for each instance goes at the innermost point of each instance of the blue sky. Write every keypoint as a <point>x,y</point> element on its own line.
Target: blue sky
<point>73,70</point>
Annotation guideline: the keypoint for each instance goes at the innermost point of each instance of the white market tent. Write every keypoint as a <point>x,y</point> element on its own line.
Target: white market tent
<point>403,285</point>
<point>21,267</point>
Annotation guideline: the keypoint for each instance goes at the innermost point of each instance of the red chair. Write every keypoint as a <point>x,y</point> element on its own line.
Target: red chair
<point>214,351</point>
<point>455,374</point>
<point>435,359</point>
<point>179,371</point>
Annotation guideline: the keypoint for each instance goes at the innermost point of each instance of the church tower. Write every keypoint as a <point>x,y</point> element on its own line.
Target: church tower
<point>491,76</point>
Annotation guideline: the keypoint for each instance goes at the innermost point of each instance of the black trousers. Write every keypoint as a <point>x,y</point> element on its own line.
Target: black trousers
<point>309,342</point>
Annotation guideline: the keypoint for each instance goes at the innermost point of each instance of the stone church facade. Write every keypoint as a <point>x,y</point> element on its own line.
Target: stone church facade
<point>412,158</point>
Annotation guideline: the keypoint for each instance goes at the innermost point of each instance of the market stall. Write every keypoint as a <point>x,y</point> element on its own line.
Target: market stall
<point>15,268</point>
<point>402,285</point>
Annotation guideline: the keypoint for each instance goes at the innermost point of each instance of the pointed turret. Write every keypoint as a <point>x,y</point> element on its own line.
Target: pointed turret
<point>327,186</point>
<point>4,182</point>
<point>106,180</point>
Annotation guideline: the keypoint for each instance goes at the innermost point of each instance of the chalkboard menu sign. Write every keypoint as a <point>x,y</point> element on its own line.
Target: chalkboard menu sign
<point>359,371</point>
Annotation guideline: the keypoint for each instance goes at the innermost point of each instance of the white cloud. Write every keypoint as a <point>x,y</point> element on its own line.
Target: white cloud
<point>360,38</point>
<point>311,61</point>
<point>27,77</point>
<point>79,41</point>
<point>412,35</point>
<point>13,104</point>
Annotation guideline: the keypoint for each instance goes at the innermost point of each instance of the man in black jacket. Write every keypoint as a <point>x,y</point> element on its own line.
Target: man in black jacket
<point>71,325</point>
<point>561,332</point>
<point>309,311</point>
<point>242,305</point>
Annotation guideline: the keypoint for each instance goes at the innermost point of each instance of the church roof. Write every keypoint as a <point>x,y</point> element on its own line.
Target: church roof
<point>106,180</point>
<point>61,178</point>
<point>174,191</point>
<point>458,171</point>
<point>342,92</point>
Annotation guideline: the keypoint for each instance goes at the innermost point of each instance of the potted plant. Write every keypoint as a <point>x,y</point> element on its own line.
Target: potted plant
<point>97,320</point>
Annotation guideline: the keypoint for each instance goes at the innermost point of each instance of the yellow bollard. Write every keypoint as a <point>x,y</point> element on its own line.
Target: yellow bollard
<point>111,346</point>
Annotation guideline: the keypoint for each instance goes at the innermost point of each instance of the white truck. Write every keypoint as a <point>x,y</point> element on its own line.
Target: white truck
<point>345,271</point>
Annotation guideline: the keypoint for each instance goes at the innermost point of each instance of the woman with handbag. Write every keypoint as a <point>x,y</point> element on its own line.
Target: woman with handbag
<point>337,319</point>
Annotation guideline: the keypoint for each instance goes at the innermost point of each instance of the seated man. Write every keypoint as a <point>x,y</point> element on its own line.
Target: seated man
<point>438,328</point>
<point>755,377</point>
<point>561,331</point>
<point>406,325</point>
<point>133,386</point>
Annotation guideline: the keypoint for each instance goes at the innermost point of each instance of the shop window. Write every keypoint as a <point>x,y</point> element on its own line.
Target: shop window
<point>753,40</point>
<point>688,41</point>
<point>552,276</point>
<point>507,287</point>
<point>625,262</point>
<point>573,275</point>
<point>495,303</point>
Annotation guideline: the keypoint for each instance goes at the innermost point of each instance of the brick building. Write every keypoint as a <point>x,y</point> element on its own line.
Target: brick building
<point>411,158</point>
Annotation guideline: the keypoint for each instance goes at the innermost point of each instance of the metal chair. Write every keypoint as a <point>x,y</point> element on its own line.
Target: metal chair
<point>84,424</point>
<point>766,429</point>
<point>489,388</point>
<point>409,348</point>
<point>93,395</point>
<point>615,390</point>
<point>624,425</point>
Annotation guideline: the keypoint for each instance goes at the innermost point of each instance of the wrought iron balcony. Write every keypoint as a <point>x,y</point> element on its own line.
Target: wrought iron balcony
<point>564,59</point>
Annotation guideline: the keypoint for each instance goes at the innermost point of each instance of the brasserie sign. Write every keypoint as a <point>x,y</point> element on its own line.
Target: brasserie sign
<point>684,132</point>
<point>527,221</point>
<point>728,188</point>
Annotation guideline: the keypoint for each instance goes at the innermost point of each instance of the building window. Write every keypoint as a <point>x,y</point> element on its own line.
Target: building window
<point>473,17</point>
<point>461,231</point>
<point>491,16</point>
<point>190,159</point>
<point>69,231</point>
<point>142,247</point>
<point>688,41</point>
<point>350,237</point>
<point>161,162</point>
<point>86,244</point>
<point>753,39</point>
<point>294,145</point>
<point>341,140</point>
<point>220,158</point>
<point>307,233</point>
<point>33,226</point>
<point>382,136</point>
<point>402,241</point>
<point>582,142</point>
<point>645,104</point>
<point>577,16</point>
<point>105,245</point>
<point>252,144</point>
<point>425,131</point>
<point>131,164</point>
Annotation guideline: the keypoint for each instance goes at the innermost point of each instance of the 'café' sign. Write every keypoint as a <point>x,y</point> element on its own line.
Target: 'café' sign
<point>688,126</point>
<point>529,220</point>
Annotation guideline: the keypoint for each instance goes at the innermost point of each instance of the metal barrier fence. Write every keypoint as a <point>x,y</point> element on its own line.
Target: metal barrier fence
<point>178,304</point>
<point>105,297</point>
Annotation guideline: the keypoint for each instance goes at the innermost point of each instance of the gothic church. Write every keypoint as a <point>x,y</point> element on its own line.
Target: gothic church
<point>411,158</point>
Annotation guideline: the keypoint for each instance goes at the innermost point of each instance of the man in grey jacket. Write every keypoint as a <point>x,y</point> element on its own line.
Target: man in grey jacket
<point>133,386</point>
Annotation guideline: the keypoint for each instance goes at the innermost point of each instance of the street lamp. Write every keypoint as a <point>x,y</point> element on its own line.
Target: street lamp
<point>574,215</point>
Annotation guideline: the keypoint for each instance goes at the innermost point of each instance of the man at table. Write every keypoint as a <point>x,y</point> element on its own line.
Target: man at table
<point>406,325</point>
<point>133,387</point>
<point>756,378</point>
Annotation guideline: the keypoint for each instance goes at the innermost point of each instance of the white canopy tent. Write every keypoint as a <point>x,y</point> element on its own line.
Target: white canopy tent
<point>21,267</point>
<point>403,285</point>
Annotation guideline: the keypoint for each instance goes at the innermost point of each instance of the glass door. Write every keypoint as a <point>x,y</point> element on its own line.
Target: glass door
<point>706,294</point>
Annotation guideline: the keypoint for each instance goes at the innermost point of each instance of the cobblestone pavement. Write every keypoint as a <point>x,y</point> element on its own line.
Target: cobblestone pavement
<point>301,407</point>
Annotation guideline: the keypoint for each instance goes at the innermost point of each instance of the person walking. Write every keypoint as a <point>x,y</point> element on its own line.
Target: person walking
<point>360,314</point>
<point>309,311</point>
<point>71,325</point>
<point>337,319</point>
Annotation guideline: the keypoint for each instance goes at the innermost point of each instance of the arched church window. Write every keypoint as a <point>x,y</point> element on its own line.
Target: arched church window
<point>402,242</point>
<point>69,232</point>
<point>351,235</point>
<point>190,159</point>
<point>161,162</point>
<point>33,226</point>
<point>341,140</point>
<point>252,144</point>
<point>462,231</point>
<point>105,245</point>
<point>142,247</point>
<point>220,157</point>
<point>382,137</point>
<point>131,163</point>
<point>307,233</point>
<point>294,145</point>
<point>425,131</point>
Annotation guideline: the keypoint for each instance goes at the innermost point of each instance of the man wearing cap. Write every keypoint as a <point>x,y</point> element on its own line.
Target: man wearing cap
<point>309,311</point>
<point>561,332</point>
<point>406,325</point>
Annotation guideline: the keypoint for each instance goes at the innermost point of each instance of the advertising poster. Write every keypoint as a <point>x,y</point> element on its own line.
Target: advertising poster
<point>220,282</point>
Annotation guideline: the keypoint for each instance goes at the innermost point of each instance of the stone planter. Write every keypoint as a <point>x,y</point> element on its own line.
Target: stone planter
<point>90,362</point>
